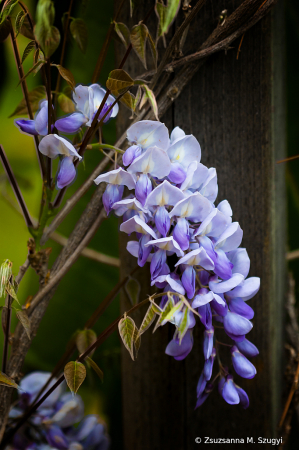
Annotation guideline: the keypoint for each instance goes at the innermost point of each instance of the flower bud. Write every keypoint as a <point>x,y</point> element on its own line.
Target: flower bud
<point>181,233</point>
<point>157,263</point>
<point>67,172</point>
<point>112,194</point>
<point>242,366</point>
<point>208,342</point>
<point>247,348</point>
<point>238,306</point>
<point>229,391</point>
<point>208,366</point>
<point>143,188</point>
<point>162,220</point>
<point>188,280</point>
<point>143,251</point>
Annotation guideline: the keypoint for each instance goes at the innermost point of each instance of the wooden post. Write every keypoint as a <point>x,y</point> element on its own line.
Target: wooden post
<point>235,108</point>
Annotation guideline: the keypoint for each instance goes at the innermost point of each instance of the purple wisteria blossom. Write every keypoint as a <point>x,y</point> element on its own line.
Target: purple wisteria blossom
<point>193,248</point>
<point>59,423</point>
<point>87,100</point>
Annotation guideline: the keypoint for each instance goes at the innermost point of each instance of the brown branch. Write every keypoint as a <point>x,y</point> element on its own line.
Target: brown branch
<point>26,94</point>
<point>177,36</point>
<point>60,274</point>
<point>290,397</point>
<point>7,310</point>
<point>15,187</point>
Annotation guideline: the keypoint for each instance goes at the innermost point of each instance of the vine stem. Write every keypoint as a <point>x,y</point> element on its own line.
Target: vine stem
<point>15,187</point>
<point>7,332</point>
<point>65,32</point>
<point>26,95</point>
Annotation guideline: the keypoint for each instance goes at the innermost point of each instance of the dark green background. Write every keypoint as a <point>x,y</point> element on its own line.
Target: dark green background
<point>88,282</point>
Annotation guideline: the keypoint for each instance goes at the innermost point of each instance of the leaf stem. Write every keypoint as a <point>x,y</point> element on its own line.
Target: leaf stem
<point>15,187</point>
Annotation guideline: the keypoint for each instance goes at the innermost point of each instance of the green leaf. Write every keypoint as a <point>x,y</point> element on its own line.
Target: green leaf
<point>148,319</point>
<point>139,34</point>
<point>66,104</point>
<point>74,374</point>
<point>26,30</point>
<point>4,30</point>
<point>96,368</point>
<point>36,66</point>
<point>19,21</point>
<point>167,308</point>
<point>133,288</point>
<point>137,340</point>
<point>5,274</point>
<point>24,319</point>
<point>149,95</point>
<point>153,49</point>
<point>66,75</point>
<point>85,339</point>
<point>7,9</point>
<point>79,32</point>
<point>27,50</point>
<point>169,316</point>
<point>184,324</point>
<point>166,15</point>
<point>123,32</point>
<point>51,42</point>
<point>126,327</point>
<point>7,381</point>
<point>118,80</point>
<point>11,291</point>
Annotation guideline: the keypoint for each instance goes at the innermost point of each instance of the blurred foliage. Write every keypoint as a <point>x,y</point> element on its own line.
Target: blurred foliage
<point>88,282</point>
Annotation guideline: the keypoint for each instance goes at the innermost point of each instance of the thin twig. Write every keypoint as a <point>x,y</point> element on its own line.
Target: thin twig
<point>26,94</point>
<point>88,252</point>
<point>287,159</point>
<point>15,187</point>
<point>57,277</point>
<point>101,338</point>
<point>71,346</point>
<point>177,36</point>
<point>290,397</point>
<point>65,34</point>
<point>292,255</point>
<point>7,332</point>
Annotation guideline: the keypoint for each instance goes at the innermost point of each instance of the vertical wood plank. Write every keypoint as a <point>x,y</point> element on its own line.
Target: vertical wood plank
<point>235,108</point>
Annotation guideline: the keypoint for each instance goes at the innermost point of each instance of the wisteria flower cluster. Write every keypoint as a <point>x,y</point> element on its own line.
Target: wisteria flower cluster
<point>53,424</point>
<point>193,248</point>
<point>87,100</point>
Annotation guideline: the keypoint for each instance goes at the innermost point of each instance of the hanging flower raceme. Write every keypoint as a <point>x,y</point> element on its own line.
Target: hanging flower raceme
<point>193,248</point>
<point>59,423</point>
<point>87,99</point>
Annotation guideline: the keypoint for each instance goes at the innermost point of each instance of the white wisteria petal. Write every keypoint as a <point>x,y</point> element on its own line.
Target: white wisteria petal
<point>246,290</point>
<point>214,224</point>
<point>164,194</point>
<point>96,96</point>
<point>138,225</point>
<point>225,208</point>
<point>175,286</point>
<point>154,161</point>
<point>53,145</point>
<point>202,299</point>
<point>117,176</point>
<point>210,186</point>
<point>197,174</point>
<point>197,257</point>
<point>128,203</point>
<point>167,244</point>
<point>149,133</point>
<point>195,208</point>
<point>177,133</point>
<point>240,259</point>
<point>224,286</point>
<point>185,151</point>
<point>133,249</point>
<point>231,238</point>
<point>81,98</point>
